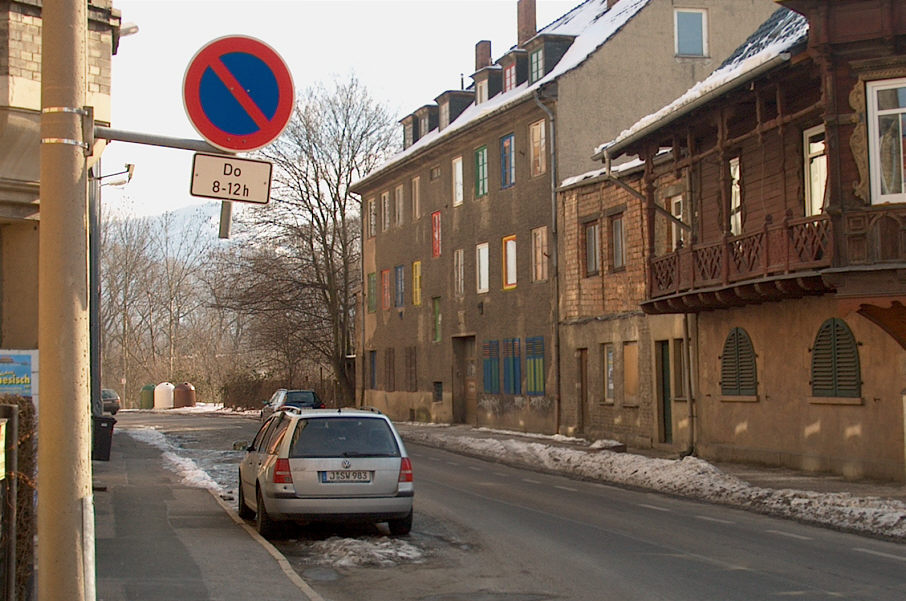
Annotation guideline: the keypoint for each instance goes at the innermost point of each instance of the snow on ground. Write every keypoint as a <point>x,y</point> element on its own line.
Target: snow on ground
<point>370,552</point>
<point>689,477</point>
<point>185,467</point>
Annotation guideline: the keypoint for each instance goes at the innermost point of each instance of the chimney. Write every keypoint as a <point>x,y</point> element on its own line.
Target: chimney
<point>525,20</point>
<point>482,55</point>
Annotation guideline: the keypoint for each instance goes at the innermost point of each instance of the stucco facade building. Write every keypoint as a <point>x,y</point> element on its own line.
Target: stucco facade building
<point>20,122</point>
<point>461,288</point>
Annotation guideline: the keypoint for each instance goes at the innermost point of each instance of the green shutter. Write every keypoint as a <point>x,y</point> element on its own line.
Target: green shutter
<point>738,372</point>
<point>835,361</point>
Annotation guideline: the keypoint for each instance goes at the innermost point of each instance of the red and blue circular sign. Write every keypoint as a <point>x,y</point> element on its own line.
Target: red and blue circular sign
<point>238,93</point>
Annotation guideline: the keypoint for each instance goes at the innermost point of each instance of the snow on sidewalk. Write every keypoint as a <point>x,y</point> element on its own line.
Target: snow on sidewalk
<point>689,477</point>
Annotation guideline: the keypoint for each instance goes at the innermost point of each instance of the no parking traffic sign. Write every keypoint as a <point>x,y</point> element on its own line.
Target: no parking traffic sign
<point>238,93</point>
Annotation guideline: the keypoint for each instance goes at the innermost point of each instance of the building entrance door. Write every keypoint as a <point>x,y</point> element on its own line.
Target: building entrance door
<point>465,386</point>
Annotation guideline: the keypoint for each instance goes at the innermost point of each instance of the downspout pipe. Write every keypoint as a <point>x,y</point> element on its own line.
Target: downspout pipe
<point>555,272</point>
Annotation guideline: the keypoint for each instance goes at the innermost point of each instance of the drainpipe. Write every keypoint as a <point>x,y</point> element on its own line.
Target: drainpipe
<point>687,375</point>
<point>362,309</point>
<point>555,277</point>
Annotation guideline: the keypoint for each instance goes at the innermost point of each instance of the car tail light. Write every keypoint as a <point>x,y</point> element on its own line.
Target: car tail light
<point>405,470</point>
<point>282,473</point>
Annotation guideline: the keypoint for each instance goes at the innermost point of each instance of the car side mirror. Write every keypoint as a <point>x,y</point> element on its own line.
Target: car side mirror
<point>242,445</point>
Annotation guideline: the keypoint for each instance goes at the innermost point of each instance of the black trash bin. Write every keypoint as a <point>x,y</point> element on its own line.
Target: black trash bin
<point>101,437</point>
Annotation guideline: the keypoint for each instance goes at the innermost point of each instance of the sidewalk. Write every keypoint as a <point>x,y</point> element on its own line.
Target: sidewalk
<point>159,540</point>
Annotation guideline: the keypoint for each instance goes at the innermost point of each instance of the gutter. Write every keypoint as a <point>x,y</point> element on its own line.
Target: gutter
<point>621,144</point>
<point>555,276</point>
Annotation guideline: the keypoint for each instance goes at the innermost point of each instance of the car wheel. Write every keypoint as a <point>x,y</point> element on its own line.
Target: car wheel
<point>244,511</point>
<point>401,526</point>
<point>265,526</point>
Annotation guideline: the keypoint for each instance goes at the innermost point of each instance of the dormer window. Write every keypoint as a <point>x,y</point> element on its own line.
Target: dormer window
<point>536,65</point>
<point>481,91</point>
<point>408,135</point>
<point>509,77</point>
<point>444,114</point>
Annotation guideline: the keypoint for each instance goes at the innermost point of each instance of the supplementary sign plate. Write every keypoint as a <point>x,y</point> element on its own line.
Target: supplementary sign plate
<point>231,178</point>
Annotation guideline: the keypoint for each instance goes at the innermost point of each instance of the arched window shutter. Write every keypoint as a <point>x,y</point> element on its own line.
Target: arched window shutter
<point>835,361</point>
<point>738,374</point>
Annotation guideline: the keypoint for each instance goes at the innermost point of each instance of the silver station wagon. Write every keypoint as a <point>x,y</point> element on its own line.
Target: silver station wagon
<point>328,465</point>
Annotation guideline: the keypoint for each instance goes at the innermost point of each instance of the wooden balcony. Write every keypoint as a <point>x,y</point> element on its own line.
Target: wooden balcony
<point>778,261</point>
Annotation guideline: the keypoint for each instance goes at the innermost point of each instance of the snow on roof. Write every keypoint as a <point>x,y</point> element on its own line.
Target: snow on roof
<point>591,22</point>
<point>782,31</point>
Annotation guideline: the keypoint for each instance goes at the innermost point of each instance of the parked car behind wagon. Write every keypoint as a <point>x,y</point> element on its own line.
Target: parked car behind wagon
<point>300,399</point>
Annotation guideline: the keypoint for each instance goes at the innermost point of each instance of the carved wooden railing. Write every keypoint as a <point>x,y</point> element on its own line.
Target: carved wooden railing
<point>793,245</point>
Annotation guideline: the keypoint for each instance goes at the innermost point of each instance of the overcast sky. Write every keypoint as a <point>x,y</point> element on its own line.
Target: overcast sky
<point>406,52</point>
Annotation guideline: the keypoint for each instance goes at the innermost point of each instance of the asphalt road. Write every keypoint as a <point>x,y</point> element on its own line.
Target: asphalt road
<point>488,532</point>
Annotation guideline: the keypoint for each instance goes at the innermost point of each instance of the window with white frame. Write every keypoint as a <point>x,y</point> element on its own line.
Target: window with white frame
<point>539,254</point>
<point>675,203</point>
<point>509,262</point>
<point>415,191</point>
<point>481,267</point>
<point>536,65</point>
<point>398,204</point>
<point>385,211</point>
<point>509,77</point>
<point>691,27</point>
<point>422,126</point>
<point>481,91</point>
<point>537,148</point>
<point>735,197</point>
<point>457,181</point>
<point>444,114</point>
<point>815,155</point>
<point>459,285</point>
<point>408,135</point>
<point>887,132</point>
<point>372,217</point>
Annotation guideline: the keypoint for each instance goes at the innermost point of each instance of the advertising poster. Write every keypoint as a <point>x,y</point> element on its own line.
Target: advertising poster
<point>19,374</point>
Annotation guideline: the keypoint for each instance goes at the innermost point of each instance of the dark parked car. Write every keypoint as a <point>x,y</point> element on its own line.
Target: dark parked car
<point>283,398</point>
<point>110,400</point>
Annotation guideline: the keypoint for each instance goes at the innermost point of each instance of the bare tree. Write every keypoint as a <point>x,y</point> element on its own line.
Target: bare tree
<point>306,256</point>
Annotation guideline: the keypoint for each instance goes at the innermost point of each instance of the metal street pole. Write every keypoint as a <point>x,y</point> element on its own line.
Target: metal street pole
<point>65,505</point>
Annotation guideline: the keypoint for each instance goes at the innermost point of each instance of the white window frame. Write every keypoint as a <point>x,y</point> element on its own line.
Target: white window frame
<point>398,205</point>
<point>457,181</point>
<point>481,91</point>
<point>676,209</point>
<point>459,270</point>
<point>540,254</point>
<point>482,281</point>
<point>872,89</point>
<point>592,247</point>
<point>618,241</point>
<point>385,211</point>
<point>814,198</point>
<point>676,32</point>
<point>422,126</point>
<point>735,167</point>
<point>408,135</point>
<point>415,189</point>
<point>537,148</point>
<point>444,115</point>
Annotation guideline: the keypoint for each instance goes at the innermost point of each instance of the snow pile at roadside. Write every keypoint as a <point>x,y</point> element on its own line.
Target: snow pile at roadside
<point>188,470</point>
<point>688,477</point>
<point>340,552</point>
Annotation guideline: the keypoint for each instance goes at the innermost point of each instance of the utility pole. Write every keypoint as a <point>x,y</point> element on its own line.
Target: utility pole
<point>65,504</point>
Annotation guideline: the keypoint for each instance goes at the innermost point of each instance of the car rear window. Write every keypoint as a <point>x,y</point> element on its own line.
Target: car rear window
<point>300,398</point>
<point>343,437</point>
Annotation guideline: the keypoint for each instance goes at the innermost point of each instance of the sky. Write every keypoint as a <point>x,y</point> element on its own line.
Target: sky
<point>405,52</point>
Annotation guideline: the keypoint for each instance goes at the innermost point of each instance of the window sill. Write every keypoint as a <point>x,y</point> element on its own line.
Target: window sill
<point>835,400</point>
<point>607,403</point>
<point>739,399</point>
